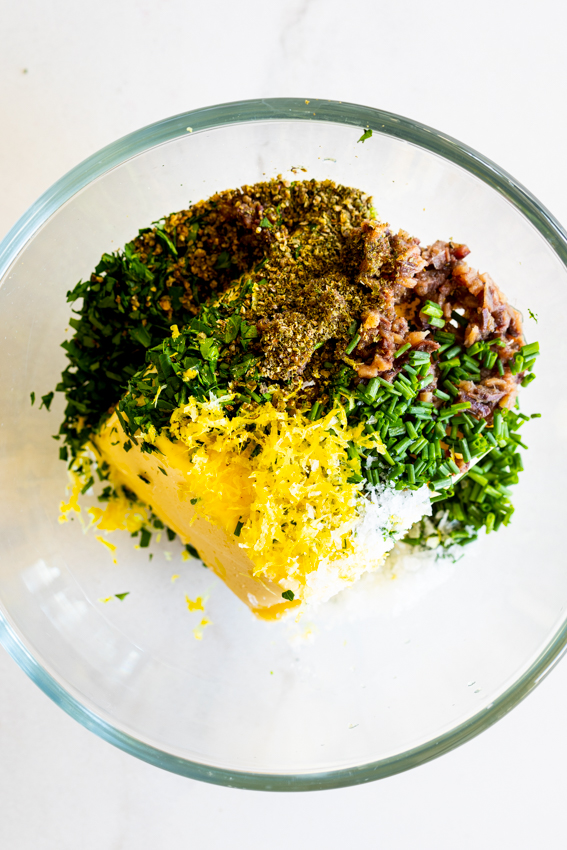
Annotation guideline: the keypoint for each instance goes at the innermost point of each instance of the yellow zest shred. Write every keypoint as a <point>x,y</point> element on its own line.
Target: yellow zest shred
<point>107,543</point>
<point>75,487</point>
<point>119,513</point>
<point>198,630</point>
<point>195,605</point>
<point>292,501</point>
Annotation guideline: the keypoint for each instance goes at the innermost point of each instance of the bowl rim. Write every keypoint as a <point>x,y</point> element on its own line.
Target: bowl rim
<point>242,112</point>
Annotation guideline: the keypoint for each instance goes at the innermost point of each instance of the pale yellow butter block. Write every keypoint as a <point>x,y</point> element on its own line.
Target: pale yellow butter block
<point>170,500</point>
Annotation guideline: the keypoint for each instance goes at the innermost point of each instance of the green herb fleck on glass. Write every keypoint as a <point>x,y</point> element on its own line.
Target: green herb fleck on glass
<point>46,400</point>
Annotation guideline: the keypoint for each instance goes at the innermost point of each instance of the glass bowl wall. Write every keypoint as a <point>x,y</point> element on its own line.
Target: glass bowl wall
<point>376,684</point>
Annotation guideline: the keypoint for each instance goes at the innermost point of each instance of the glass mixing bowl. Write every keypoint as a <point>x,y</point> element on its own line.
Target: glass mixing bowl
<point>390,675</point>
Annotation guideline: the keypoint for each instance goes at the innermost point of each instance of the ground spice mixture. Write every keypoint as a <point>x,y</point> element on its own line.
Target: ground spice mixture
<point>296,294</point>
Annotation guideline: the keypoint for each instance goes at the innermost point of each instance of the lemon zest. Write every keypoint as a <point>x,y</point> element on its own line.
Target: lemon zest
<point>294,502</point>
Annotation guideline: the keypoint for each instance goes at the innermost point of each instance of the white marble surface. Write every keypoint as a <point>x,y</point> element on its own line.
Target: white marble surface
<point>74,77</point>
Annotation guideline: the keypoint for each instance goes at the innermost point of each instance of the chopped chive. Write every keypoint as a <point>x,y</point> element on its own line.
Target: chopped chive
<point>314,412</point>
<point>528,379</point>
<point>88,484</point>
<point>411,430</point>
<point>396,430</point>
<point>402,446</point>
<point>405,380</point>
<point>355,478</point>
<point>453,466</point>
<point>516,439</point>
<point>419,357</point>
<point>530,350</point>
<point>465,451</point>
<point>446,365</point>
<point>420,412</point>
<point>419,467</point>
<point>421,444</point>
<point>500,366</point>
<point>508,516</point>
<point>401,350</point>
<point>455,408</point>
<point>451,388</point>
<point>459,319</point>
<point>442,483</point>
<point>517,364</point>
<point>443,396</point>
<point>476,476</point>
<point>387,385</point>
<point>238,529</point>
<point>468,361</point>
<point>352,344</point>
<point>444,336</point>
<point>437,323</point>
<point>372,387</point>
<point>406,391</point>
<point>498,425</point>
<point>431,308</point>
